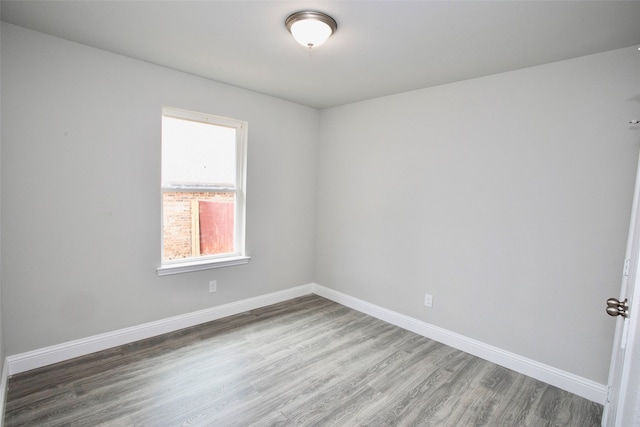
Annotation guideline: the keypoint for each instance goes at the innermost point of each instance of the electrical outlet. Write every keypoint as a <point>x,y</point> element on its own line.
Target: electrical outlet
<point>428,300</point>
<point>213,286</point>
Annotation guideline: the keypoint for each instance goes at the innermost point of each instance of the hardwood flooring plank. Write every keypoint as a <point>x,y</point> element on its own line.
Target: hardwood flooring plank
<point>204,409</point>
<point>43,406</point>
<point>522,397</point>
<point>342,384</point>
<point>498,379</point>
<point>398,408</point>
<point>125,421</point>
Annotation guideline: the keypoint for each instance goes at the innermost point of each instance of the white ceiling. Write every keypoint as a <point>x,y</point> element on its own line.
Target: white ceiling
<point>380,48</point>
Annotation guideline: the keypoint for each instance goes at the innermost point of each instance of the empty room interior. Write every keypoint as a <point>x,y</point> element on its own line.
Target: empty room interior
<point>432,207</point>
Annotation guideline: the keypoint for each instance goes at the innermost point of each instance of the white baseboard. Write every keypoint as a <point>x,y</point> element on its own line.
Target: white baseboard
<point>42,357</point>
<point>564,380</point>
<point>57,353</point>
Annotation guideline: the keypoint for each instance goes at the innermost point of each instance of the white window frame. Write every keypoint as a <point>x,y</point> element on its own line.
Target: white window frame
<point>221,260</point>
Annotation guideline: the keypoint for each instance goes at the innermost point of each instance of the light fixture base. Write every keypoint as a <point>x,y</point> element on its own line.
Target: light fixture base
<point>311,28</point>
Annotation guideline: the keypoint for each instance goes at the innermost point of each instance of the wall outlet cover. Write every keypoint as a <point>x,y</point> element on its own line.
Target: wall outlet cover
<point>428,300</point>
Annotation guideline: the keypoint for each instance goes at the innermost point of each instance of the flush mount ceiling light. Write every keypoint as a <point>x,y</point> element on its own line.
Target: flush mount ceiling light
<point>310,28</point>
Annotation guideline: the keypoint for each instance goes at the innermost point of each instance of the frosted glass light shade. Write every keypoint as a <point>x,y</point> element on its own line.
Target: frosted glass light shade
<point>310,33</point>
<point>311,29</point>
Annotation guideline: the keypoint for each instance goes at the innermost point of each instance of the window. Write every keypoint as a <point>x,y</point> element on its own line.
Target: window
<point>203,191</point>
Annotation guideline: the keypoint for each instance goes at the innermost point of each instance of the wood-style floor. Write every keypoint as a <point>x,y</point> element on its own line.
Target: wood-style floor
<point>304,362</point>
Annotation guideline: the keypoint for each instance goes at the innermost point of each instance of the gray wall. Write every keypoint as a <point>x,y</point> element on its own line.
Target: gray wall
<point>506,197</point>
<point>81,195</point>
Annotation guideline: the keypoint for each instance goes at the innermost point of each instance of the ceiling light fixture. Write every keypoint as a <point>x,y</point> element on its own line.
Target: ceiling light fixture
<point>311,29</point>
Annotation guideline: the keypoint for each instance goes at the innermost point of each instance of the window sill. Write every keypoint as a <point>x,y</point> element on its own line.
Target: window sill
<point>186,267</point>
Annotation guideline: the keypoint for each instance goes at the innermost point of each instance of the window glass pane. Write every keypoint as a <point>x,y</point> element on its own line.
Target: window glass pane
<point>197,223</point>
<point>216,224</point>
<point>196,154</point>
